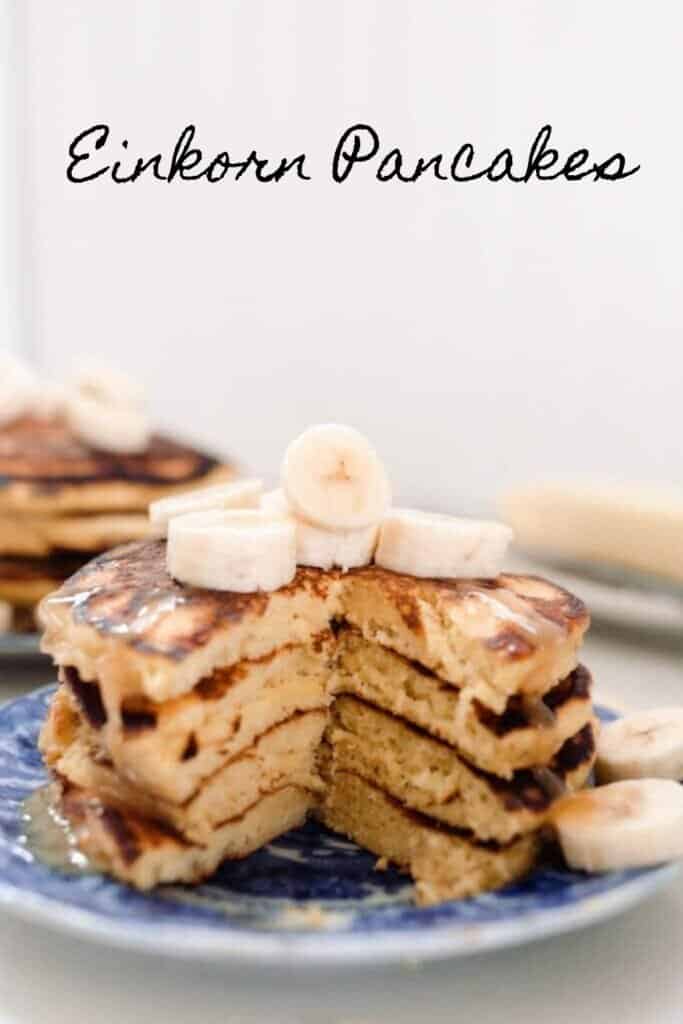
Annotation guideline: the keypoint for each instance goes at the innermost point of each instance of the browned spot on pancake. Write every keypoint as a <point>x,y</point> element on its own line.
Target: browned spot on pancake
<point>191,748</point>
<point>513,643</point>
<point>576,750</point>
<point>137,720</point>
<point>88,697</point>
<point>576,686</point>
<point>537,788</point>
<point>319,641</point>
<point>410,613</point>
<point>216,685</point>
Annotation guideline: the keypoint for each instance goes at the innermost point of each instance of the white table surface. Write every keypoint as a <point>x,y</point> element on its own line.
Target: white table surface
<point>627,970</point>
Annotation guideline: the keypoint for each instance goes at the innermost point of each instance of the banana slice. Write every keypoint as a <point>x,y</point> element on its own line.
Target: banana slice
<point>118,428</point>
<point>48,400</point>
<point>5,617</point>
<point>627,824</point>
<point>242,550</point>
<point>647,744</point>
<point>335,549</point>
<point>275,503</point>
<point>324,549</point>
<point>240,494</point>
<point>333,478</point>
<point>107,385</point>
<point>432,545</point>
<point>17,388</point>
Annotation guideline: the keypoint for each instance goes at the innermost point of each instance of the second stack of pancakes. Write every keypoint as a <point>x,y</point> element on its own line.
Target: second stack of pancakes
<point>62,501</point>
<point>433,722</point>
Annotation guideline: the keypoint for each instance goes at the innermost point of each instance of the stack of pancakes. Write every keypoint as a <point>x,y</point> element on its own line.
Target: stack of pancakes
<point>62,501</point>
<point>432,721</point>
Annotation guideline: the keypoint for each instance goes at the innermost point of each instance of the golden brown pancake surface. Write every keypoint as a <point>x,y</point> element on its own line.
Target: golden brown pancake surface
<point>45,467</point>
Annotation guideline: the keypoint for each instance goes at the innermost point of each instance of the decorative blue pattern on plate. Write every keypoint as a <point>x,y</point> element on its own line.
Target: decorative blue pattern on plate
<point>308,897</point>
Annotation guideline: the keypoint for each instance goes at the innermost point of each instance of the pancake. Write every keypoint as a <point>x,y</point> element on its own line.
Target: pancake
<point>433,721</point>
<point>445,863</point>
<point>26,581</point>
<point>44,468</point>
<point>124,621</point>
<point>432,778</point>
<point>490,638</point>
<point>283,755</point>
<point>523,734</point>
<point>62,501</point>
<point>217,721</point>
<point>40,536</point>
<point>145,852</point>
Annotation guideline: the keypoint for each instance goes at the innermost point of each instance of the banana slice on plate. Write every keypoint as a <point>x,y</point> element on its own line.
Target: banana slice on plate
<point>645,744</point>
<point>629,824</point>
<point>18,387</point>
<point>324,549</point>
<point>242,550</point>
<point>428,544</point>
<point>333,478</point>
<point>240,494</point>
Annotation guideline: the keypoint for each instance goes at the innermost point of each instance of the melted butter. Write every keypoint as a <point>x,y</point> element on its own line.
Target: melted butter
<point>507,606</point>
<point>48,835</point>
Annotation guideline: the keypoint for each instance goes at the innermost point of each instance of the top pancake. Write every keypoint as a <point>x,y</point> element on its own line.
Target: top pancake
<point>45,468</point>
<point>123,621</point>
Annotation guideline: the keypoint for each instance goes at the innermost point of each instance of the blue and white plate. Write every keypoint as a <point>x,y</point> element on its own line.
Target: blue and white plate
<point>308,898</point>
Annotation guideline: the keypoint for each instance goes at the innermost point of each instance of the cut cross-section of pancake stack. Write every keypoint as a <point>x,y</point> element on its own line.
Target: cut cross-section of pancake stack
<point>433,721</point>
<point>65,496</point>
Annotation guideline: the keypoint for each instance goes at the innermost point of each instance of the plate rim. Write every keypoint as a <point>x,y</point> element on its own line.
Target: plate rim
<point>320,947</point>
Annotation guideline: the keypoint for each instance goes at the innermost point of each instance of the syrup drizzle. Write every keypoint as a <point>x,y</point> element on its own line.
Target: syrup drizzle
<point>48,835</point>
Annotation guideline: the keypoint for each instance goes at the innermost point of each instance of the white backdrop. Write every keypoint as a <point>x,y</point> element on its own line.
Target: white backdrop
<point>479,333</point>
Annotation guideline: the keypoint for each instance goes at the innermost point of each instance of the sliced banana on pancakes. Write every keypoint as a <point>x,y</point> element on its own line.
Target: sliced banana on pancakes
<point>242,550</point>
<point>334,498</point>
<point>324,549</point>
<point>17,388</point>
<point>646,744</point>
<point>427,544</point>
<point>628,824</point>
<point>104,409</point>
<point>240,494</point>
<point>333,478</point>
